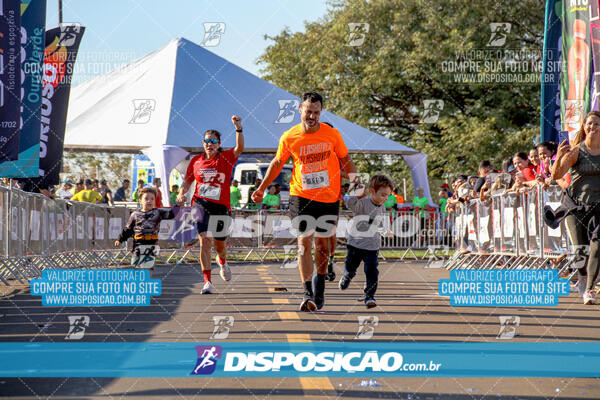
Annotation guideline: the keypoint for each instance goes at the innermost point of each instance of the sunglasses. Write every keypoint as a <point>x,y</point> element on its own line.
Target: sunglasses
<point>213,141</point>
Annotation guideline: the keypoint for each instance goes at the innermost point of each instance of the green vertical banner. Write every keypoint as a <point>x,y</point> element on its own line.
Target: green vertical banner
<point>576,66</point>
<point>33,16</point>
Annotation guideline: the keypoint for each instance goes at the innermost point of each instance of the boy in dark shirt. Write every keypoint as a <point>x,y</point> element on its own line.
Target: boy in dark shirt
<point>144,225</point>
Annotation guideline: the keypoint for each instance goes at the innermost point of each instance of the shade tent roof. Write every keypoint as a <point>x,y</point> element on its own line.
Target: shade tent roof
<point>185,89</point>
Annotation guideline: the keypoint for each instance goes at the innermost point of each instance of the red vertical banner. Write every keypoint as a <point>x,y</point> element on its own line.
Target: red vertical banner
<point>576,66</point>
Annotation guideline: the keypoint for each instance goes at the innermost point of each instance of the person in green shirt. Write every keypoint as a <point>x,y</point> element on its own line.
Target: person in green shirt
<point>420,202</point>
<point>235,194</point>
<point>173,195</point>
<point>271,200</point>
<point>390,203</point>
<point>136,195</point>
<point>251,204</point>
<point>443,201</point>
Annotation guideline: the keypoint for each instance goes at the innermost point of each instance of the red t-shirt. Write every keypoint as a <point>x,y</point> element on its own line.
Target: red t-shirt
<point>212,176</point>
<point>528,174</point>
<point>159,203</point>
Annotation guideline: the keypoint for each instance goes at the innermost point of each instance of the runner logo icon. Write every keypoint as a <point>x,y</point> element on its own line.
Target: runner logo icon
<point>77,323</point>
<point>207,359</point>
<point>287,111</point>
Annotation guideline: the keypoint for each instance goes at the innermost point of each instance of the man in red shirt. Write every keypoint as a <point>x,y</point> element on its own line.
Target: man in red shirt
<point>211,205</point>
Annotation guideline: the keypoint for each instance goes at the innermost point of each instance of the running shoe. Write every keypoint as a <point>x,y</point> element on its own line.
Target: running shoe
<point>208,288</point>
<point>308,304</point>
<point>370,303</point>
<point>318,283</point>
<point>225,271</point>
<point>330,271</point>
<point>588,297</point>
<point>344,282</point>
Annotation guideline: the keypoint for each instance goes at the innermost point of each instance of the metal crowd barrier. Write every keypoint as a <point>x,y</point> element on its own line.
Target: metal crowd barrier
<point>508,232</point>
<point>504,232</point>
<point>37,232</point>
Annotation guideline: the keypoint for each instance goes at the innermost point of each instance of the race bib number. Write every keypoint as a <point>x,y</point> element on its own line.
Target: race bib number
<point>315,180</point>
<point>144,256</point>
<point>210,192</point>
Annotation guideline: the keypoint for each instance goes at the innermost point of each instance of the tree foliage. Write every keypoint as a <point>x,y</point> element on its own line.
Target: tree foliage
<point>114,167</point>
<point>382,84</point>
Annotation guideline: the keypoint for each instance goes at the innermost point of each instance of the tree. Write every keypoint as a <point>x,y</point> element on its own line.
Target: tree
<point>413,51</point>
<point>110,166</point>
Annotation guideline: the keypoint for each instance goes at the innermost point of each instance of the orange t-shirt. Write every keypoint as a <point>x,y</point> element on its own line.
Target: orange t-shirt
<point>316,173</point>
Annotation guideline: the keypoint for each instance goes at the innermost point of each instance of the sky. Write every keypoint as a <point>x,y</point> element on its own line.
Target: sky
<point>120,31</point>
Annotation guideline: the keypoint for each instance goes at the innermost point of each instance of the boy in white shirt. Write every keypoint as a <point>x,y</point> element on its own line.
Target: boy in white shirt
<point>364,237</point>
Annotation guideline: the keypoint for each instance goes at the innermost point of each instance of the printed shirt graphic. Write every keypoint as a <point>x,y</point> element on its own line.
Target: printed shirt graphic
<point>212,176</point>
<point>316,173</point>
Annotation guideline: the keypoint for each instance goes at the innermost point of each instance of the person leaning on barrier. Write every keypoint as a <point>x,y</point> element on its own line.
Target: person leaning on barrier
<point>106,193</point>
<point>88,194</point>
<point>251,204</point>
<point>136,194</point>
<point>459,185</point>
<point>173,194</point>
<point>271,200</point>
<point>157,184</point>
<point>581,203</point>
<point>547,155</point>
<point>64,192</point>
<point>524,167</point>
<point>235,194</point>
<point>121,193</point>
<point>77,188</point>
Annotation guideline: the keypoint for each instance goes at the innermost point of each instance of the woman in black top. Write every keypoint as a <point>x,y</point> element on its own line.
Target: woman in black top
<point>583,222</point>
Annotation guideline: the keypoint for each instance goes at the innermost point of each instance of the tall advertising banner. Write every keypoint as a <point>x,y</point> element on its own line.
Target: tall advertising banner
<point>10,78</point>
<point>595,36</point>
<point>550,111</point>
<point>62,44</point>
<point>33,15</point>
<point>576,62</point>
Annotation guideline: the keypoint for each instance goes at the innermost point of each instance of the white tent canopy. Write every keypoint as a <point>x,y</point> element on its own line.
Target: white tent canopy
<point>167,99</point>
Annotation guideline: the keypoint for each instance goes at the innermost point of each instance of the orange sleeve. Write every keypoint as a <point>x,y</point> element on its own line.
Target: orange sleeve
<point>283,153</point>
<point>340,148</point>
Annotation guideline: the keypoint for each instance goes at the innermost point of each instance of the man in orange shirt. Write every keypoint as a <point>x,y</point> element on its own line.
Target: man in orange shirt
<point>318,150</point>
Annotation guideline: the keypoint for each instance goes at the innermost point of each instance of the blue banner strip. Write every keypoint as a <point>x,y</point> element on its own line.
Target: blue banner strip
<point>365,359</point>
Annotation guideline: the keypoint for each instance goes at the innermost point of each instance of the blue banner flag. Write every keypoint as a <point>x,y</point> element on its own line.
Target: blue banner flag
<point>33,15</point>
<point>10,78</point>
<point>550,110</point>
<point>272,359</point>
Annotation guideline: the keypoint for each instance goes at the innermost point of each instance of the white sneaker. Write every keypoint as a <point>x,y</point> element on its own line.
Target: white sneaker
<point>225,271</point>
<point>588,297</point>
<point>208,288</point>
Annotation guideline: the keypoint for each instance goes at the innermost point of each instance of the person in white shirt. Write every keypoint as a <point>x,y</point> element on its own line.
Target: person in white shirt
<point>64,192</point>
